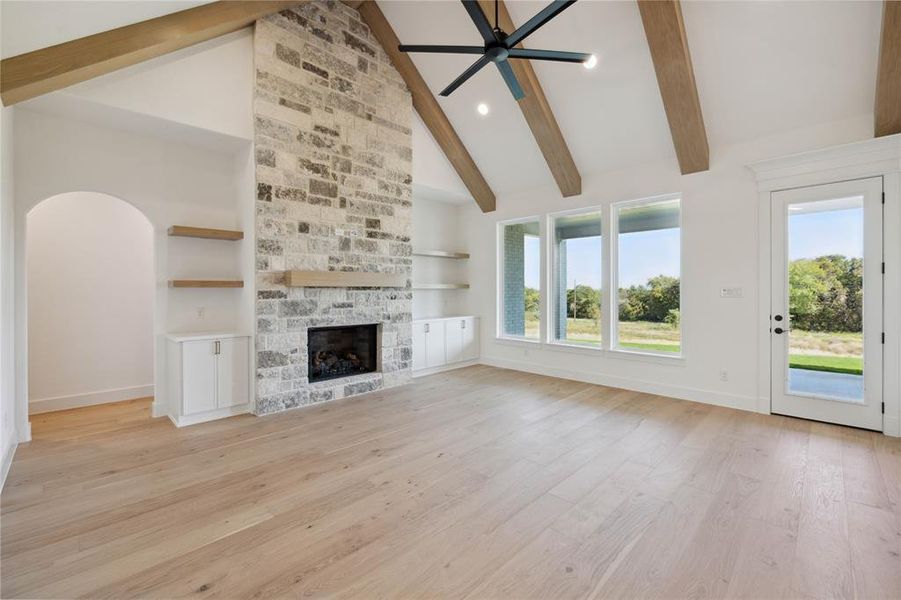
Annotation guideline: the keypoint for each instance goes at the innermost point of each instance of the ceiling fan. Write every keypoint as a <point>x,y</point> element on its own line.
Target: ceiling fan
<point>500,47</point>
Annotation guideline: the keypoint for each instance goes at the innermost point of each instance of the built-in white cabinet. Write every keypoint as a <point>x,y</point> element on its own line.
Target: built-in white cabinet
<point>444,342</point>
<point>209,376</point>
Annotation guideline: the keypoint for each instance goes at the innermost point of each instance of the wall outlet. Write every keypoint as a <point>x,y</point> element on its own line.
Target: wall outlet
<point>201,312</point>
<point>724,375</point>
<point>730,292</point>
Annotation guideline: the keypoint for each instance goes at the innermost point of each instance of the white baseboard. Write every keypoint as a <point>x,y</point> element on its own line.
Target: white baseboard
<point>9,451</point>
<point>748,403</point>
<point>42,405</point>
<point>441,369</point>
<point>210,415</point>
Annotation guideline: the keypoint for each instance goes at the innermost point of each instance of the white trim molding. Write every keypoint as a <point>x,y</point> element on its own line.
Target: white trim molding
<point>628,383</point>
<point>43,405</point>
<point>879,157</point>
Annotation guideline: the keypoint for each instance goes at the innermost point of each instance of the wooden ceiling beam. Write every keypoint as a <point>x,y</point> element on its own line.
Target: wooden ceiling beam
<point>887,112</point>
<point>537,111</point>
<point>668,43</point>
<point>49,69</point>
<point>428,108</point>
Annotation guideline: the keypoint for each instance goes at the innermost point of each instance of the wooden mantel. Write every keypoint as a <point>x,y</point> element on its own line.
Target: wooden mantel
<point>344,279</point>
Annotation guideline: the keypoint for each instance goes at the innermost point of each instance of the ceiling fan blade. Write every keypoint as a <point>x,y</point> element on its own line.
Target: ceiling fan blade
<point>472,70</point>
<point>546,14</point>
<point>556,55</point>
<point>442,49</point>
<point>510,77</point>
<point>478,17</point>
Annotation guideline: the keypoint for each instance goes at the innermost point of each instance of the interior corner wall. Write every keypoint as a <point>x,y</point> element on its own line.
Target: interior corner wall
<point>719,249</point>
<point>436,226</point>
<point>90,270</point>
<point>8,415</point>
<point>171,183</point>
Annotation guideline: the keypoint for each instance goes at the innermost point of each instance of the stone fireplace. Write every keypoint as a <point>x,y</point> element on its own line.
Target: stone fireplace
<point>341,351</point>
<point>333,153</point>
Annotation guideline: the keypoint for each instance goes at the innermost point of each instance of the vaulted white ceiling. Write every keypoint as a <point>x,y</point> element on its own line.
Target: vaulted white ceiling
<point>761,67</point>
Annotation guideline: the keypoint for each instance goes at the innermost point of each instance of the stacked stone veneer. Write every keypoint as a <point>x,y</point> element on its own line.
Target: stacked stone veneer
<point>514,280</point>
<point>333,168</point>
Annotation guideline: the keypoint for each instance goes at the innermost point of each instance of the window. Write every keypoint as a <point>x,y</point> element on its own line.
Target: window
<point>520,249</point>
<point>576,280</point>
<point>647,276</point>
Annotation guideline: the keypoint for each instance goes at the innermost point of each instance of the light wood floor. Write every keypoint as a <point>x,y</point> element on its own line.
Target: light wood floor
<point>478,483</point>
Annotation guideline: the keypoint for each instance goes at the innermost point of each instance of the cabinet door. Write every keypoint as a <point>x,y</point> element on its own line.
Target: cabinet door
<point>453,340</point>
<point>470,345</point>
<point>231,373</point>
<point>419,344</point>
<point>198,376</point>
<point>434,344</point>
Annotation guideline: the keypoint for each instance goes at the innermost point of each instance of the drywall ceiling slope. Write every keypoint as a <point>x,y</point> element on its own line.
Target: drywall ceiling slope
<point>760,68</point>
<point>768,67</point>
<point>29,25</point>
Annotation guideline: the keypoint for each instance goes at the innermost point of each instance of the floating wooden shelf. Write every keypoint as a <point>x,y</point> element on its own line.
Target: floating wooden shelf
<point>344,279</point>
<point>441,254</point>
<point>205,283</point>
<point>440,286</point>
<point>205,233</point>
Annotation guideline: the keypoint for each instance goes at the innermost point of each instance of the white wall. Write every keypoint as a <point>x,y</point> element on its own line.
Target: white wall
<point>171,184</point>
<point>437,226</point>
<point>720,213</point>
<point>8,421</point>
<point>208,86</point>
<point>90,279</point>
<point>431,169</point>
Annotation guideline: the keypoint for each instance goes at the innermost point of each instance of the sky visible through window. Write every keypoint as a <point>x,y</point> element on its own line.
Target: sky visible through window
<point>648,253</point>
<point>643,255</point>
<point>828,232</point>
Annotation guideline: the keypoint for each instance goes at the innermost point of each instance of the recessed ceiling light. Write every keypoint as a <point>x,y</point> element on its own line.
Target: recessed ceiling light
<point>482,108</point>
<point>591,63</point>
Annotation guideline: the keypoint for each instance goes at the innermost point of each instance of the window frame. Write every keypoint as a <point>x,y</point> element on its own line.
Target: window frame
<point>501,271</point>
<point>551,269</point>
<point>613,298</point>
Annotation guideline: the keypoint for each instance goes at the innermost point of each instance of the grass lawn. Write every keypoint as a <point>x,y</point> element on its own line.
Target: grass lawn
<point>835,352</point>
<point>832,364</point>
<point>638,335</point>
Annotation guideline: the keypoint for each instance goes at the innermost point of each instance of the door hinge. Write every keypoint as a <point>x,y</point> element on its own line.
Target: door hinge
<point>883,268</point>
<point>883,197</point>
<point>883,408</point>
<point>883,337</point>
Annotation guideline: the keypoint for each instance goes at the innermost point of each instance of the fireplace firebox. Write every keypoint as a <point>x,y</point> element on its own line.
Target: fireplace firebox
<point>341,351</point>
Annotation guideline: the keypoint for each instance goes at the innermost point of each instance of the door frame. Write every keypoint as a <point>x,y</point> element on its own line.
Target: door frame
<point>858,160</point>
<point>867,414</point>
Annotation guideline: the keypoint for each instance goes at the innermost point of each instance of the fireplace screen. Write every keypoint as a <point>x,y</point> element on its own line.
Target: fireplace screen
<point>341,351</point>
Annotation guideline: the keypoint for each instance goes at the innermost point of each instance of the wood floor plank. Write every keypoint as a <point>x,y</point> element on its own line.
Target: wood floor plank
<point>479,483</point>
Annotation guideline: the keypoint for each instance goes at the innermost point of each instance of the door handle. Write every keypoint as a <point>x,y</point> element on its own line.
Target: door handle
<point>778,331</point>
<point>778,317</point>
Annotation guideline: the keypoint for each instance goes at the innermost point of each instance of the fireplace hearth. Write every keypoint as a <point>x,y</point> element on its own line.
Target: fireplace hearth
<point>341,351</point>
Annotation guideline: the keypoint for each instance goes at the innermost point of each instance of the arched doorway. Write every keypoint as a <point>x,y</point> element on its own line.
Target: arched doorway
<point>89,264</point>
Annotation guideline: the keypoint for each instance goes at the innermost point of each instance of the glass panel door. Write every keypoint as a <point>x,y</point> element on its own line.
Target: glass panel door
<point>827,303</point>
